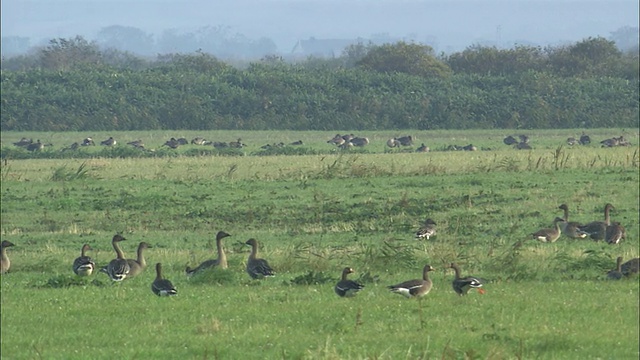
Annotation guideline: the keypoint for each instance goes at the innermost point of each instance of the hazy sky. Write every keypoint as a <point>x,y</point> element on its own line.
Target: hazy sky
<point>449,25</point>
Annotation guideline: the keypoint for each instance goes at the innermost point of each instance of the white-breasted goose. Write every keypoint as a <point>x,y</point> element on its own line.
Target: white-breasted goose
<point>616,274</point>
<point>84,265</point>
<point>423,148</point>
<point>346,287</point>
<point>5,263</point>
<point>221,261</point>
<point>415,288</point>
<point>257,268</point>
<point>549,234</point>
<point>109,142</point>
<point>462,285</point>
<point>118,269</point>
<point>161,286</point>
<point>597,229</point>
<point>427,231</point>
<point>570,229</point>
<point>615,233</point>
<point>631,267</point>
<point>137,265</point>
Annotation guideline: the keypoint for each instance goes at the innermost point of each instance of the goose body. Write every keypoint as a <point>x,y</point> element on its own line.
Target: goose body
<point>109,142</point>
<point>614,233</point>
<point>597,229</point>
<point>257,268</point>
<point>161,286</point>
<point>5,263</point>
<point>423,148</point>
<point>631,267</point>
<point>462,285</point>
<point>346,287</point>
<point>427,231</point>
<point>84,265</point>
<point>414,288</point>
<point>137,266</point>
<point>549,234</point>
<point>118,268</point>
<point>221,261</point>
<point>568,228</point>
<point>616,274</point>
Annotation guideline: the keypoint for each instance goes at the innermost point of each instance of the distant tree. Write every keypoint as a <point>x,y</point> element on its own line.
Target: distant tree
<point>353,53</point>
<point>626,38</point>
<point>486,60</point>
<point>126,38</point>
<point>65,54</point>
<point>401,57</point>
<point>14,45</point>
<point>171,41</point>
<point>590,57</point>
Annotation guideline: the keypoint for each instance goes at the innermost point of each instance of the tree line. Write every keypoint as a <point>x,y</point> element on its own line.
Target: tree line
<point>72,85</point>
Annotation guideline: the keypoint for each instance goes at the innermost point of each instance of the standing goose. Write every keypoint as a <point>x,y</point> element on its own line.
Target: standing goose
<point>549,234</point>
<point>118,268</point>
<point>84,265</point>
<point>138,265</point>
<point>160,286</point>
<point>415,288</point>
<point>346,287</point>
<point>257,268</point>
<point>221,261</point>
<point>570,229</point>
<point>5,263</point>
<point>631,267</point>
<point>428,230</point>
<point>615,233</point>
<point>462,285</point>
<point>616,274</point>
<point>597,229</point>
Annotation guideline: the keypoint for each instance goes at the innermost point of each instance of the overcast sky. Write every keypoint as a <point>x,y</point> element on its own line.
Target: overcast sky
<point>449,25</point>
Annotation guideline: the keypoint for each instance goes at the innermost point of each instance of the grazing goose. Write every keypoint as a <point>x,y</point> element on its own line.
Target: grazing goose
<point>549,234</point>
<point>346,287</point>
<point>257,268</point>
<point>36,146</point>
<point>462,285</point>
<point>614,233</point>
<point>415,288</point>
<point>427,231</point>
<point>597,229</point>
<point>570,229</point>
<point>84,265</point>
<point>423,148</point>
<point>631,267</point>
<point>221,261</point>
<point>160,286</point>
<point>109,142</point>
<point>118,268</point>
<point>5,263</point>
<point>137,266</point>
<point>616,274</point>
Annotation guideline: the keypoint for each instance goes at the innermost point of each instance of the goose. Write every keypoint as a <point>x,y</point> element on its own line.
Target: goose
<point>139,144</point>
<point>346,287</point>
<point>359,141</point>
<point>597,229</point>
<point>221,261</point>
<point>572,141</point>
<point>23,142</point>
<point>296,143</point>
<point>87,142</point>
<point>423,148</point>
<point>549,234</point>
<point>36,146</point>
<point>393,143</point>
<point>160,286</point>
<point>257,268</point>
<point>73,146</point>
<point>336,140</point>
<point>585,139</point>
<point>524,138</point>
<point>523,146</point>
<point>84,265</point>
<point>616,274</point>
<point>5,263</point>
<point>172,143</point>
<point>427,231</point>
<point>631,267</point>
<point>462,285</point>
<point>406,140</point>
<point>182,141</point>
<point>109,142</point>
<point>137,266</point>
<point>237,144</point>
<point>509,140</point>
<point>414,288</point>
<point>614,233</point>
<point>118,268</point>
<point>570,228</point>
<point>198,140</point>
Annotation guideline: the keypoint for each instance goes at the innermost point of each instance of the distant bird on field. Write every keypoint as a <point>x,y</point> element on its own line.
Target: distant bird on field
<point>220,262</point>
<point>549,234</point>
<point>427,230</point>
<point>585,139</point>
<point>462,285</point>
<point>257,268</point>
<point>172,143</point>
<point>138,265</point>
<point>631,267</point>
<point>510,140</point>
<point>5,263</point>
<point>346,287</point>
<point>614,233</point>
<point>36,146</point>
<point>414,288</point>
<point>570,229</point>
<point>139,144</point>
<point>118,269</point>
<point>423,148</point>
<point>88,142</point>
<point>616,274</point>
<point>161,286</point>
<point>23,142</point>
<point>109,142</point>
<point>597,229</point>
<point>84,265</point>
<point>296,143</point>
<point>198,140</point>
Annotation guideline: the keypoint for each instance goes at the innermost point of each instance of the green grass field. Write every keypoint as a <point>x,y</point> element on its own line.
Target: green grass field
<point>313,215</point>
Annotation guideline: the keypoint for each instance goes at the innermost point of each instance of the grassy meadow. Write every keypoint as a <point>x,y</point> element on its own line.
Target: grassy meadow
<point>313,215</point>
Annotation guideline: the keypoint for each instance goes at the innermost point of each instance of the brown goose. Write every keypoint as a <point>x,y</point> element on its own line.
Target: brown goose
<point>137,266</point>
<point>5,263</point>
<point>118,269</point>
<point>109,142</point>
<point>615,233</point>
<point>631,267</point>
<point>84,265</point>
<point>597,229</point>
<point>257,268</point>
<point>570,228</point>
<point>221,261</point>
<point>549,234</point>
<point>161,286</point>
<point>462,285</point>
<point>427,231</point>
<point>415,288</point>
<point>423,148</point>
<point>346,287</point>
<point>616,274</point>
